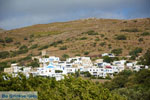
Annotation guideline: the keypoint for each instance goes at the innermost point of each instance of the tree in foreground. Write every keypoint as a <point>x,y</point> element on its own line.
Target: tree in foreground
<point>71,88</point>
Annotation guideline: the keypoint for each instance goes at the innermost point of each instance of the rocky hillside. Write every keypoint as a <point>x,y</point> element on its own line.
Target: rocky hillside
<point>86,37</point>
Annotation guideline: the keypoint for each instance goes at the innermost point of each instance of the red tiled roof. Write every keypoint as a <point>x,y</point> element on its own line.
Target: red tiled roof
<point>108,67</point>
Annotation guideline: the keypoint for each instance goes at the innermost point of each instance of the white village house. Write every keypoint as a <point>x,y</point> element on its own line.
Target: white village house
<point>53,67</point>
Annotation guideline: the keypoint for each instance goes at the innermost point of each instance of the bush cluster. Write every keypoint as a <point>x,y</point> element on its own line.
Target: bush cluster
<point>145,34</point>
<point>130,30</point>
<point>121,37</point>
<point>70,88</point>
<point>91,32</point>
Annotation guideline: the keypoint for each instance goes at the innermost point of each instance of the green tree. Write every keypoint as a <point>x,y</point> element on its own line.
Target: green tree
<point>117,51</point>
<point>86,53</point>
<point>107,59</point>
<point>34,64</point>
<point>70,88</point>
<point>65,56</point>
<point>135,51</point>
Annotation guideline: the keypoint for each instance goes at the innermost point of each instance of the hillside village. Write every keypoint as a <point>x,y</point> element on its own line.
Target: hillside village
<point>79,45</point>
<point>53,67</point>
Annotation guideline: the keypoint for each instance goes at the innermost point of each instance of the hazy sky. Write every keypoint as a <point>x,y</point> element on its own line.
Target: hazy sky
<point>21,13</point>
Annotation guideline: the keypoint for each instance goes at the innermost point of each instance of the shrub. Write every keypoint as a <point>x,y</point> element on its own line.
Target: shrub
<point>121,37</point>
<point>106,38</point>
<point>32,35</point>
<point>22,51</point>
<point>86,74</point>
<point>133,57</point>
<point>3,65</point>
<point>31,40</point>
<point>77,55</point>
<point>94,44</point>
<point>140,39</point>
<point>4,54</point>
<point>34,46</point>
<point>117,51</point>
<point>83,38</point>
<point>59,42</point>
<point>135,21</point>
<point>136,51</point>
<point>97,39</point>
<point>17,43</point>
<point>129,30</point>
<point>53,44</point>
<point>13,54</point>
<point>86,53</point>
<point>65,56</point>
<point>102,35</point>
<point>34,64</point>
<point>43,47</point>
<point>23,47</point>
<point>102,44</point>
<point>2,41</point>
<point>25,38</point>
<point>91,32</point>
<point>25,58</point>
<point>58,71</point>
<point>63,48</point>
<point>107,59</point>
<point>56,43</point>
<point>8,40</point>
<point>109,46</point>
<point>145,34</point>
<point>125,22</point>
<point>145,60</point>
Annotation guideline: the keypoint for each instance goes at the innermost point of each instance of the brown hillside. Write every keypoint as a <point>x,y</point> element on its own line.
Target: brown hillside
<point>76,40</point>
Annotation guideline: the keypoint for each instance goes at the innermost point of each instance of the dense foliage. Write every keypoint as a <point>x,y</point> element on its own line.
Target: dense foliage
<point>117,51</point>
<point>109,59</point>
<point>135,51</point>
<point>4,65</point>
<point>145,60</point>
<point>71,88</point>
<point>34,64</point>
<point>131,85</point>
<point>145,34</point>
<point>4,54</point>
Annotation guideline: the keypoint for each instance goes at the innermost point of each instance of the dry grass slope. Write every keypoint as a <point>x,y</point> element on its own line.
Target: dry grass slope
<point>71,34</point>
